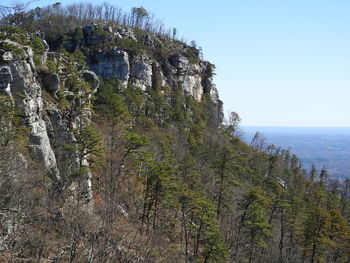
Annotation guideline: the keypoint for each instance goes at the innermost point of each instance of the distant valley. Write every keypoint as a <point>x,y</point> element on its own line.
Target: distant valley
<point>325,147</point>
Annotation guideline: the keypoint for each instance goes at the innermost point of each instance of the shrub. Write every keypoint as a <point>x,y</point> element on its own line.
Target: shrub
<point>129,45</point>
<point>37,44</point>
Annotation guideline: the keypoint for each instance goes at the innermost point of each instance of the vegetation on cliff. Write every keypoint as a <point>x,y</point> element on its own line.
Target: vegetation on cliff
<point>170,181</point>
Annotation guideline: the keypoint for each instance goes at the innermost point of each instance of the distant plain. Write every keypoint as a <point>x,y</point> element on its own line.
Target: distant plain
<point>327,147</point>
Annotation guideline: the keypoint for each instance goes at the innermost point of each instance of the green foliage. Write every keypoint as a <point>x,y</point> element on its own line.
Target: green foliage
<point>79,57</point>
<point>129,45</point>
<point>11,128</point>
<point>99,32</point>
<point>72,40</point>
<point>172,177</point>
<point>12,33</point>
<point>134,99</point>
<point>135,141</point>
<point>139,12</point>
<point>37,44</point>
<point>254,220</point>
<point>316,231</point>
<point>63,101</point>
<point>226,170</point>
<point>36,59</point>
<point>109,103</point>
<point>88,144</point>
<point>205,190</point>
<point>177,103</point>
<point>157,106</point>
<point>192,54</point>
<point>16,50</point>
<point>52,66</point>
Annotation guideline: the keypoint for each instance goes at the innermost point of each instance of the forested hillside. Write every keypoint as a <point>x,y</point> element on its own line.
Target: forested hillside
<point>113,148</point>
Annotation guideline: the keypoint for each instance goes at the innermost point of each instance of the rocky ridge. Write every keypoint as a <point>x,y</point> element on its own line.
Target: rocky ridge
<point>179,66</point>
<point>51,128</point>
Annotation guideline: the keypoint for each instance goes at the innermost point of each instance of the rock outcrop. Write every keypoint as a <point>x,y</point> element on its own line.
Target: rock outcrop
<point>51,82</point>
<point>23,86</point>
<point>5,80</point>
<point>53,103</point>
<point>51,126</point>
<point>180,68</point>
<point>113,63</point>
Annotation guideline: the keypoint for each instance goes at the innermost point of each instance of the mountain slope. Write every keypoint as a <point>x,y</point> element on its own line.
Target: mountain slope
<point>113,150</point>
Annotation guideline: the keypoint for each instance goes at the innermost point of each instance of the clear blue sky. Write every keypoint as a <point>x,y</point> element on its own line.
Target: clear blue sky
<point>279,62</point>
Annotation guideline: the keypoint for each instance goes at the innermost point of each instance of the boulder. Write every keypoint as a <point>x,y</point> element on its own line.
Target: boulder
<point>90,77</point>
<point>51,82</point>
<point>127,33</point>
<point>7,56</point>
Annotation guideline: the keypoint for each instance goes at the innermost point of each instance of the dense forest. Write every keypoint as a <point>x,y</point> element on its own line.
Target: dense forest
<point>170,180</point>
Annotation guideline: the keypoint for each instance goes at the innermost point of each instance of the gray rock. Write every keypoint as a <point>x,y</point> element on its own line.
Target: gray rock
<point>91,77</point>
<point>110,64</point>
<point>141,71</point>
<point>89,37</point>
<point>7,56</point>
<point>108,28</point>
<point>180,62</point>
<point>117,35</point>
<point>5,75</point>
<point>46,45</point>
<point>157,76</point>
<point>183,67</point>
<point>66,160</point>
<point>5,80</point>
<point>51,82</point>
<point>41,147</point>
<point>54,56</point>
<point>30,102</point>
<point>178,70</point>
<point>152,41</point>
<point>127,33</point>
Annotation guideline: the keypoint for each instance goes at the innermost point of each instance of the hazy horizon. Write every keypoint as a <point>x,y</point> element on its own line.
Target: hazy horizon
<point>327,147</point>
<point>297,129</point>
<point>295,126</point>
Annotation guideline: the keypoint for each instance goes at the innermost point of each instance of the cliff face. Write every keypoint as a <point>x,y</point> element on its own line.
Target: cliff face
<point>19,80</point>
<point>161,62</point>
<point>51,126</point>
<point>140,169</point>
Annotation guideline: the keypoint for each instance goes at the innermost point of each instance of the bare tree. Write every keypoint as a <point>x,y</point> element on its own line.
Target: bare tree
<point>13,14</point>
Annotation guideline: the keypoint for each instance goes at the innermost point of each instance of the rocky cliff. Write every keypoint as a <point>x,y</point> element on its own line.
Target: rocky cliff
<point>147,60</point>
<point>111,52</point>
<point>112,150</point>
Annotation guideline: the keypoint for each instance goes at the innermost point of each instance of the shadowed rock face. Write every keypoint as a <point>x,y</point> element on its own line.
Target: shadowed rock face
<point>91,77</point>
<point>5,80</point>
<point>110,64</point>
<point>5,75</point>
<point>51,82</point>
